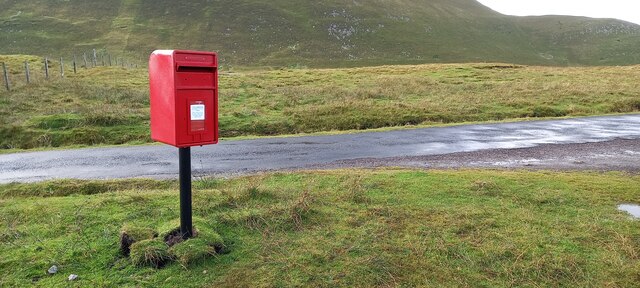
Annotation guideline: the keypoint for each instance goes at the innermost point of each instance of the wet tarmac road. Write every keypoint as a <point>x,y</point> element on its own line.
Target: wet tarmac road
<point>312,152</point>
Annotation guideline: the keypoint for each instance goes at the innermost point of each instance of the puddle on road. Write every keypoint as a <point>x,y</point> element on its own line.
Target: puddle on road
<point>632,209</point>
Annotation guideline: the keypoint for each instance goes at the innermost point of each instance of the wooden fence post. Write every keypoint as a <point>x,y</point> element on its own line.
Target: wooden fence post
<point>110,60</point>
<point>102,56</point>
<point>6,77</point>
<point>61,68</point>
<point>46,68</point>
<point>27,72</point>
<point>75,67</point>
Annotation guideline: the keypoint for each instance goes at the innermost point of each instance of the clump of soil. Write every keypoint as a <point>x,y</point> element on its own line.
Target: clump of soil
<point>146,247</point>
<point>152,252</point>
<point>175,236</point>
<point>131,234</point>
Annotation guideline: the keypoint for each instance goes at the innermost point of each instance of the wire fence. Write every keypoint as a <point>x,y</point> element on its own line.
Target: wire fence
<point>19,71</point>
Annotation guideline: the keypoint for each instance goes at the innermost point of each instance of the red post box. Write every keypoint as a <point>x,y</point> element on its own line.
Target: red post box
<point>184,97</point>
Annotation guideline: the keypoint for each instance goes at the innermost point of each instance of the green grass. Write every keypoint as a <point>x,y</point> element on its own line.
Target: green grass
<point>109,106</point>
<point>151,252</point>
<point>327,33</point>
<point>346,228</point>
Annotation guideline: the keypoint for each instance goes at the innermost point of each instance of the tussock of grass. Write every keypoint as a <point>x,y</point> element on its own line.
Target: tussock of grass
<point>131,234</point>
<point>355,191</point>
<point>192,250</point>
<point>301,209</point>
<point>206,243</point>
<point>151,252</point>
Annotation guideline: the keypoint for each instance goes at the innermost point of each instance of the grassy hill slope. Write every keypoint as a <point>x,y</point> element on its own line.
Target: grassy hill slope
<point>315,33</point>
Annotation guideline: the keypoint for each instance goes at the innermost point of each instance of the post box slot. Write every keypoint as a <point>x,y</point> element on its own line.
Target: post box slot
<point>196,69</point>
<point>195,58</point>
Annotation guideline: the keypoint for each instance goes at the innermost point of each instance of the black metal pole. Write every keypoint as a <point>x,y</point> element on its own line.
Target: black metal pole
<point>186,226</point>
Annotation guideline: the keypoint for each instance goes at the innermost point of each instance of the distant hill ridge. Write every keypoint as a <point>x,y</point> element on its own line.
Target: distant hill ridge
<point>315,33</point>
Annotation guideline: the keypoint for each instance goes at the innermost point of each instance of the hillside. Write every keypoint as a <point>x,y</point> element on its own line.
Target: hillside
<point>315,33</point>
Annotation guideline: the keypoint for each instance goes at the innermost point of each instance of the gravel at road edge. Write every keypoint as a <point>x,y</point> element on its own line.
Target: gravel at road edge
<point>615,155</point>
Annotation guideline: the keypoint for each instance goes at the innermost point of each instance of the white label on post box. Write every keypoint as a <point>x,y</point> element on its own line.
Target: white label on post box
<point>197,112</point>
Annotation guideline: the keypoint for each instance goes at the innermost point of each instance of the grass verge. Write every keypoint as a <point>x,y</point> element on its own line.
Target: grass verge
<point>349,228</point>
<point>109,106</point>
